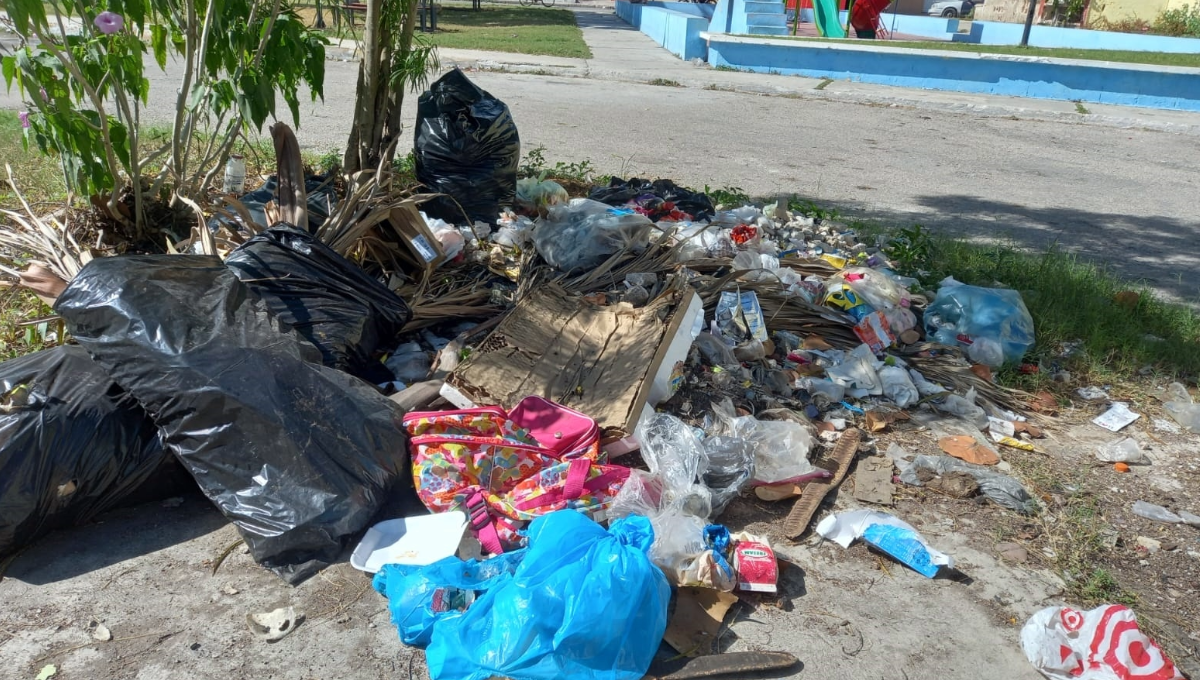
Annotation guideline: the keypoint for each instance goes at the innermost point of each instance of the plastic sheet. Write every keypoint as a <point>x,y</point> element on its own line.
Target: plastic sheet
<point>319,192</point>
<point>328,300</point>
<point>467,147</point>
<point>1104,643</point>
<point>998,487</point>
<point>873,287</point>
<point>243,402</point>
<point>72,444</point>
<point>584,233</point>
<point>1179,405</point>
<point>673,452</point>
<point>898,387</point>
<point>730,469</point>
<point>652,197</point>
<point>584,603</point>
<point>994,318</point>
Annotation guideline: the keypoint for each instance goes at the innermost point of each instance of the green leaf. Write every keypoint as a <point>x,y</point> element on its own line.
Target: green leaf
<point>120,141</point>
<point>158,41</point>
<point>8,65</point>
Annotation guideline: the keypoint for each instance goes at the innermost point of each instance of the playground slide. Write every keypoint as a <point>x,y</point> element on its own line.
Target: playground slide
<point>829,23</point>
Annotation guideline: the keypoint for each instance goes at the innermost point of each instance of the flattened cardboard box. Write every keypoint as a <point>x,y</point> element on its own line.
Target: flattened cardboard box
<point>603,361</point>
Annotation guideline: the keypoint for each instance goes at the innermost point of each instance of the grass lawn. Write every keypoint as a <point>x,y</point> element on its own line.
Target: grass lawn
<point>1154,58</point>
<point>523,30</point>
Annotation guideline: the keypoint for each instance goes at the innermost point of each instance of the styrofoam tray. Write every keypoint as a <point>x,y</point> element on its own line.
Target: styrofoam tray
<point>420,540</point>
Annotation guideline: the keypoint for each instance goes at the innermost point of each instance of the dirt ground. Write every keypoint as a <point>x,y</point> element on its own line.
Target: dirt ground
<point>146,573</point>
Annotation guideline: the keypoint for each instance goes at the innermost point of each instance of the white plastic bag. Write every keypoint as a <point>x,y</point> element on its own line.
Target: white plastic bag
<point>898,387</point>
<point>584,233</point>
<point>1104,643</point>
<point>781,447</point>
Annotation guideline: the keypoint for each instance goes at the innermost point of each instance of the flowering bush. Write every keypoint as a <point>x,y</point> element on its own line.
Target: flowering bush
<point>86,85</point>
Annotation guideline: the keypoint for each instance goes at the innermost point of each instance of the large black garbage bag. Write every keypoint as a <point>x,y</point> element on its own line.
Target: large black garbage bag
<point>72,444</point>
<point>327,299</point>
<point>653,198</point>
<point>466,147</point>
<point>297,454</point>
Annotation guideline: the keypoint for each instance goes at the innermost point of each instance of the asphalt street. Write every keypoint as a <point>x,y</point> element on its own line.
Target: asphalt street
<point>1121,196</point>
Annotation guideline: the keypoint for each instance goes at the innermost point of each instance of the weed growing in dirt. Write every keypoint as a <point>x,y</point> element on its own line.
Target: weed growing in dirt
<point>811,209</point>
<point>728,196</point>
<point>664,82</point>
<point>536,165</point>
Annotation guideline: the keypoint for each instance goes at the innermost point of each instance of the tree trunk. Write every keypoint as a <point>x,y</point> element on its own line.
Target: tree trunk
<point>379,101</point>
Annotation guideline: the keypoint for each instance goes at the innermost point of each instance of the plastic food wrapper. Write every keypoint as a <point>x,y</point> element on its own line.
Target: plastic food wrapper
<point>196,348</point>
<point>330,301</point>
<point>997,486</point>
<point>1122,451</point>
<point>740,317</point>
<point>754,562</point>
<point>673,452</point>
<point>584,603</point>
<point>841,296</point>
<point>887,533</point>
<point>1104,643</point>
<point>875,332</point>
<point>584,233</point>
<point>857,372</point>
<point>419,596</point>
<point>466,147</point>
<point>962,315</point>
<point>72,444</point>
<point>534,194</point>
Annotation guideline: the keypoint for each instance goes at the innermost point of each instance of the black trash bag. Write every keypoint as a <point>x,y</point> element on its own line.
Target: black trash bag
<point>656,198</point>
<point>321,199</point>
<point>466,147</point>
<point>297,454</point>
<point>327,299</point>
<point>72,444</point>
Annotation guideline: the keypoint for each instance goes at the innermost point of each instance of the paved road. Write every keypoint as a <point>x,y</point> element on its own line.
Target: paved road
<point>1121,196</point>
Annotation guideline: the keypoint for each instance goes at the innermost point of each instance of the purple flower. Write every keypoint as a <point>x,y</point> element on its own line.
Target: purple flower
<point>109,22</point>
<point>24,116</point>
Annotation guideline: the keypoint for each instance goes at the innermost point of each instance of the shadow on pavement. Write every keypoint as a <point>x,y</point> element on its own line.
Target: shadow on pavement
<point>117,536</point>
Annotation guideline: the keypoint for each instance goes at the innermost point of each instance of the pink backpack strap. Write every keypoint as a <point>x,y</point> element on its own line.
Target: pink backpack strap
<point>479,518</point>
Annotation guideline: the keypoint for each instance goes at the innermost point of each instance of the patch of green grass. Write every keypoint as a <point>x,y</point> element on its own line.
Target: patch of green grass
<point>1123,56</point>
<point>39,178</point>
<point>823,84</point>
<point>730,197</point>
<point>1080,108</point>
<point>523,30</point>
<point>664,82</point>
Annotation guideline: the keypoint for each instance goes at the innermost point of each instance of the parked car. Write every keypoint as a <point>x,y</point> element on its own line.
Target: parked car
<point>952,8</point>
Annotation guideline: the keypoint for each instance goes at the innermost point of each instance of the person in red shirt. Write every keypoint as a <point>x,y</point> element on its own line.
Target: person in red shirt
<point>864,17</point>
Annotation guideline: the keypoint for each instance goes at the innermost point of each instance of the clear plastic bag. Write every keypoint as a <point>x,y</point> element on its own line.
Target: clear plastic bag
<point>1181,408</point>
<point>1125,450</point>
<point>673,452</point>
<point>781,447</point>
<point>995,315</point>
<point>714,350</point>
<point>730,469</point>
<point>873,287</point>
<point>534,194</point>
<point>584,233</point>
<point>964,407</point>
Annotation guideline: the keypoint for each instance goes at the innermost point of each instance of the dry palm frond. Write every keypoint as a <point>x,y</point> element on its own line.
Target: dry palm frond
<point>456,294</point>
<point>46,239</point>
<point>948,367</point>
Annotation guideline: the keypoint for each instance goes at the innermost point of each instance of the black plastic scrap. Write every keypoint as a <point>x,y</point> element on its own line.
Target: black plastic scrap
<point>298,455</point>
<point>652,197</point>
<point>327,299</point>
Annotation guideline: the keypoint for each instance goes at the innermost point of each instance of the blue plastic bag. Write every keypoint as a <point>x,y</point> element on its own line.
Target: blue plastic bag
<point>584,604</point>
<point>992,322</point>
<point>418,597</point>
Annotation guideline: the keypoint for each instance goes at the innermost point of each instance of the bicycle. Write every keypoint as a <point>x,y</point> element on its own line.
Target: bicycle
<point>543,3</point>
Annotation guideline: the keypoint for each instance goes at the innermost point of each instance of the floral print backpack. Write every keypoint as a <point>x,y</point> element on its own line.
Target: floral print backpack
<point>504,469</point>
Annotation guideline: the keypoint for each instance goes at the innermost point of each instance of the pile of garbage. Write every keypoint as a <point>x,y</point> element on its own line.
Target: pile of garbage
<point>576,389</point>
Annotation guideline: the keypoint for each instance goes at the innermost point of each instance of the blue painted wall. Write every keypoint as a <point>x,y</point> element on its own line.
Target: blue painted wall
<point>999,33</point>
<point>674,25</point>
<point>1105,82</point>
